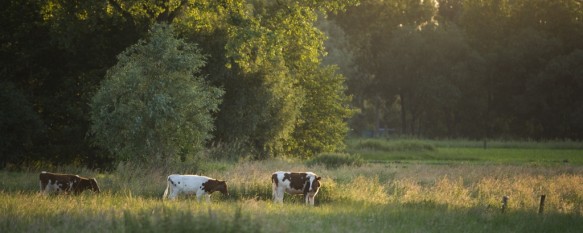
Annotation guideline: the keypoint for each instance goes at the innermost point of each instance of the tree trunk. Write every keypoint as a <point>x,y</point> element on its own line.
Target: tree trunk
<point>403,114</point>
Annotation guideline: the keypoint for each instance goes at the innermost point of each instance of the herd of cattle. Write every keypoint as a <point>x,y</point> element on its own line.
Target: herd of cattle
<point>306,183</point>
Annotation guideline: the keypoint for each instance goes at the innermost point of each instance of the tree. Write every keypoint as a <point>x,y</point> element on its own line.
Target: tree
<point>556,98</point>
<point>151,106</point>
<point>370,27</point>
<point>422,68</point>
<point>20,126</point>
<point>270,49</point>
<point>321,126</point>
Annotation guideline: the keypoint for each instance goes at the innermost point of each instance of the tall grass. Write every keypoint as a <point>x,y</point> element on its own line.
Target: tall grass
<point>460,151</point>
<point>377,143</point>
<point>366,198</point>
<point>390,145</point>
<point>335,160</point>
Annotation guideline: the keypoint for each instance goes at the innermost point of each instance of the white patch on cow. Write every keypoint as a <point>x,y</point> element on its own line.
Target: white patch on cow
<point>52,187</point>
<point>186,184</point>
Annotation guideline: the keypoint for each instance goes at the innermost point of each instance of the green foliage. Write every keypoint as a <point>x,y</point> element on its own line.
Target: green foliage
<point>335,160</point>
<point>464,68</point>
<point>151,105</point>
<point>230,151</point>
<point>58,52</point>
<point>283,90</point>
<point>20,126</point>
<point>557,99</point>
<point>322,124</point>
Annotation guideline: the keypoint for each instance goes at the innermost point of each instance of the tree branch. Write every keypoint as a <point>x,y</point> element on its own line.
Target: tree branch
<point>123,12</point>
<point>168,16</point>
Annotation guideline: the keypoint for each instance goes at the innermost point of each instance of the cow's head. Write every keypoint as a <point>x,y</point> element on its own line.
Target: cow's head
<point>94,186</point>
<point>222,187</point>
<point>315,184</point>
<point>212,186</point>
<point>312,185</point>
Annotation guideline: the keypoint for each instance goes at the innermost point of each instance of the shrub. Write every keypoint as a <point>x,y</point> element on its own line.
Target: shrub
<point>335,160</point>
<point>152,105</point>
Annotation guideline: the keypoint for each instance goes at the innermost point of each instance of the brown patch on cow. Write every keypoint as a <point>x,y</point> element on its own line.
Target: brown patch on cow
<point>211,186</point>
<point>297,180</point>
<point>67,182</point>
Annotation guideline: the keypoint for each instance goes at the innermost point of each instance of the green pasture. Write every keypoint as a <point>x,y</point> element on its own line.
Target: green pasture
<point>498,152</point>
<point>416,186</point>
<point>115,213</point>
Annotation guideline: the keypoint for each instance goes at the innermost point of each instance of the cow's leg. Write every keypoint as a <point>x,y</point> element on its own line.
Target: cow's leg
<point>173,193</point>
<point>48,187</point>
<point>199,194</point>
<point>278,195</point>
<point>273,191</point>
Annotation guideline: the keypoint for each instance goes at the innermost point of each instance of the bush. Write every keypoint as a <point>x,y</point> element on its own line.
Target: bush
<point>336,160</point>
<point>152,105</point>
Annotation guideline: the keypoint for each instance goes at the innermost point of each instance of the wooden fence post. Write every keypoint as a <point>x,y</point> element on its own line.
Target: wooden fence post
<point>541,207</point>
<point>504,203</point>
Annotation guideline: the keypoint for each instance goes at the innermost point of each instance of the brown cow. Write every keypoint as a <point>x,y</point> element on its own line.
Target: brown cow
<point>55,182</point>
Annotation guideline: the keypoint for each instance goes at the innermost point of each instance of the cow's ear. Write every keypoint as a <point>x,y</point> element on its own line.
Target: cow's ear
<point>318,178</point>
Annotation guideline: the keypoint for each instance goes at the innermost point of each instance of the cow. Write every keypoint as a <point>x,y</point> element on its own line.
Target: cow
<point>66,183</point>
<point>306,183</point>
<point>193,184</point>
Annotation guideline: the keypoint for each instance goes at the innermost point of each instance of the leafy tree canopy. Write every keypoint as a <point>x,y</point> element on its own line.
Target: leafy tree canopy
<point>152,104</point>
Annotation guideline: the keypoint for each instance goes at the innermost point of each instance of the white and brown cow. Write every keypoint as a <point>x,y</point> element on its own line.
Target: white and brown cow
<point>66,183</point>
<point>193,184</point>
<point>306,183</point>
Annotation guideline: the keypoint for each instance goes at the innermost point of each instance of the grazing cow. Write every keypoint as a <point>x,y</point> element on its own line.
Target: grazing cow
<point>55,182</point>
<point>306,183</point>
<point>193,184</point>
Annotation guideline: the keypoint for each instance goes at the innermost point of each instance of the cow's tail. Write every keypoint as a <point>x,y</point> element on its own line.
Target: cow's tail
<point>169,184</point>
<point>273,186</point>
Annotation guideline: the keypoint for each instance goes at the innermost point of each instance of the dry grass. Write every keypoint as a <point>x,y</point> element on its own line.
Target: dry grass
<point>371,197</point>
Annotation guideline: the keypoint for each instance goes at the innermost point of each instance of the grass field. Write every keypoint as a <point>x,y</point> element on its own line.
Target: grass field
<point>450,189</point>
<point>549,153</point>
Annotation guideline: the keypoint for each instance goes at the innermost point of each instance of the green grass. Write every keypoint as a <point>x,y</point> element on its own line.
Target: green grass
<point>479,155</point>
<point>432,189</point>
<point>111,213</point>
<point>549,153</point>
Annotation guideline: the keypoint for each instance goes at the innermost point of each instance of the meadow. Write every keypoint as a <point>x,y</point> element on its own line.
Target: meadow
<point>402,186</point>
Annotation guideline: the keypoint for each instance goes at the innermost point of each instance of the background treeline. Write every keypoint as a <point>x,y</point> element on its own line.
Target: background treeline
<point>91,82</point>
<point>464,68</point>
<point>71,90</point>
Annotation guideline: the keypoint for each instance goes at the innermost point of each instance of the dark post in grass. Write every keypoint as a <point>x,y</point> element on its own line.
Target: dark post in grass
<point>504,203</point>
<point>541,207</point>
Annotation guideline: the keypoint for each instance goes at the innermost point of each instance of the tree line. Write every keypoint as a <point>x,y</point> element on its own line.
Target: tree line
<point>91,82</point>
<point>464,68</point>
